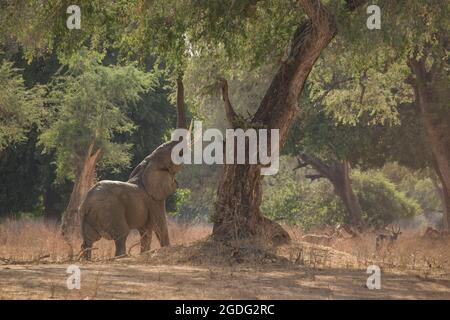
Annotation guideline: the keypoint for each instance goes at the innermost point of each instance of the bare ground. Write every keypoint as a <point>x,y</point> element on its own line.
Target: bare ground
<point>206,271</point>
<point>142,281</point>
<point>32,266</point>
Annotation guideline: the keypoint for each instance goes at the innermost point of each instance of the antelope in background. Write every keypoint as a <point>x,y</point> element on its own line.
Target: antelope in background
<point>387,238</point>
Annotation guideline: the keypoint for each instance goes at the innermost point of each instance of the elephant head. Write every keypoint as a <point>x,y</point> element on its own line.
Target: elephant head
<point>156,173</point>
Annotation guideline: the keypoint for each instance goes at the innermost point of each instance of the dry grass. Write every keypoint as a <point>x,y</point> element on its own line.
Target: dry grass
<point>40,241</point>
<point>410,252</point>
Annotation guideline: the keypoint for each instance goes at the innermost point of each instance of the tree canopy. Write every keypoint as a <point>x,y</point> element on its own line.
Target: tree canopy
<point>20,107</point>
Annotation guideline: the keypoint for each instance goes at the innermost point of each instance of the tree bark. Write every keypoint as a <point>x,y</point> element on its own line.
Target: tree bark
<point>431,98</point>
<point>344,190</point>
<point>445,199</point>
<point>338,174</point>
<point>237,214</point>
<point>446,211</point>
<point>83,182</point>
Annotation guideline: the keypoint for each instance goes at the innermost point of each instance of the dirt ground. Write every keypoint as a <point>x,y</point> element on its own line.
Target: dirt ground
<point>142,281</point>
<point>33,265</point>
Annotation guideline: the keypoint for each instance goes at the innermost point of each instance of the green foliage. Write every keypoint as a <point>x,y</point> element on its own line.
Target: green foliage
<point>423,191</point>
<point>19,106</point>
<point>23,176</point>
<point>182,195</point>
<point>239,34</point>
<point>369,94</point>
<point>290,197</point>
<point>366,136</point>
<point>201,181</point>
<point>293,199</point>
<point>418,185</point>
<point>407,26</point>
<point>381,202</point>
<point>318,133</point>
<point>244,34</point>
<point>40,26</point>
<point>89,103</point>
<point>27,175</point>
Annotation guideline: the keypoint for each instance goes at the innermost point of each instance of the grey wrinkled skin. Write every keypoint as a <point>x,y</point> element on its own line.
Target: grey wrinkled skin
<point>111,209</point>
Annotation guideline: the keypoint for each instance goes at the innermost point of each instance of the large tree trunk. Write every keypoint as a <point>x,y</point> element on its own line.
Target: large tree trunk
<point>237,213</point>
<point>83,182</point>
<point>338,173</point>
<point>431,96</point>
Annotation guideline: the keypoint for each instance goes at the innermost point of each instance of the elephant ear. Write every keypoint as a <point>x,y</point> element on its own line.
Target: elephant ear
<point>158,183</point>
<point>138,171</point>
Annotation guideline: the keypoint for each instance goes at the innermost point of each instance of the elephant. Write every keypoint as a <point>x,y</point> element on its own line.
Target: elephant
<point>111,209</point>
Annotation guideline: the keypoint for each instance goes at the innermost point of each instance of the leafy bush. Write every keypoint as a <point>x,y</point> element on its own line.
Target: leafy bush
<point>416,184</point>
<point>290,197</point>
<point>182,195</point>
<point>196,201</point>
<point>381,201</point>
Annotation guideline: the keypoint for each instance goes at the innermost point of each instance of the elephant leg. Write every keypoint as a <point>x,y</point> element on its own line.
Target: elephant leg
<point>146,239</point>
<point>120,246</point>
<point>118,229</point>
<point>160,223</point>
<point>90,235</point>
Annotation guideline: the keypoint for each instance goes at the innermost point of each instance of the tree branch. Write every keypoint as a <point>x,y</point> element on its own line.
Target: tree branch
<point>330,87</point>
<point>410,80</point>
<point>229,111</point>
<point>181,112</point>
<point>313,177</point>
<point>301,164</point>
<point>316,163</point>
<point>362,79</point>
